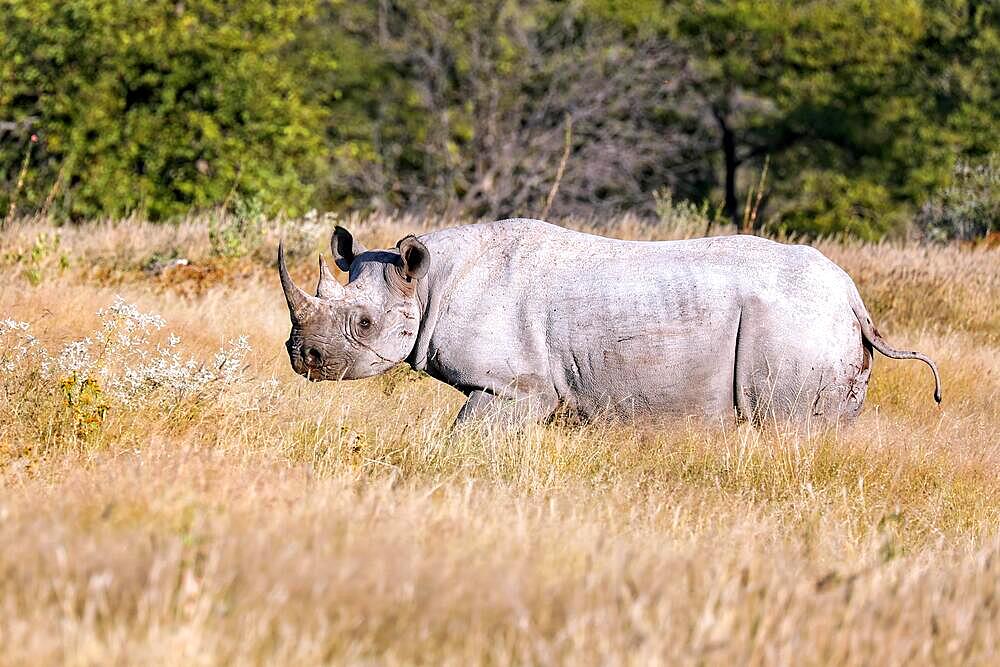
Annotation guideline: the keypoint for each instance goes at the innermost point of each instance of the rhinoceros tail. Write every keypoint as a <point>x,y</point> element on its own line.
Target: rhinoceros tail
<point>872,335</point>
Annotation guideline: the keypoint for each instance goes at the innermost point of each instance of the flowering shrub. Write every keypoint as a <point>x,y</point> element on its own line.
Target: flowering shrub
<point>121,366</point>
<point>20,348</point>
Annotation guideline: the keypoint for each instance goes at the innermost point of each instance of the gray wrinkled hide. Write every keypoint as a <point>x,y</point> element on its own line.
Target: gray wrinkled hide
<point>556,320</point>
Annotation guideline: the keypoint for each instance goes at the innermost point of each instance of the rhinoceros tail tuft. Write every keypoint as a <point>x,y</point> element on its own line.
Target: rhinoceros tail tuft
<point>872,335</point>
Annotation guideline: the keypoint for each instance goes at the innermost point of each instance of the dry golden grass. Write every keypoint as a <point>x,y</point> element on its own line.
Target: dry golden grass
<point>343,523</point>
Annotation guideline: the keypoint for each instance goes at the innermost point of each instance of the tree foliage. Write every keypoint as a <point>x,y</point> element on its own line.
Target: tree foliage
<point>157,107</point>
<point>861,108</point>
<point>837,94</point>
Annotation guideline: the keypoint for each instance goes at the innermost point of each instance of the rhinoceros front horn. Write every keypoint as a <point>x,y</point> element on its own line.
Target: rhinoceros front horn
<point>300,304</point>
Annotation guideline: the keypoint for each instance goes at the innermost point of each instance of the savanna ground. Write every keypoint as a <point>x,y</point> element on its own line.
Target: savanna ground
<point>154,515</point>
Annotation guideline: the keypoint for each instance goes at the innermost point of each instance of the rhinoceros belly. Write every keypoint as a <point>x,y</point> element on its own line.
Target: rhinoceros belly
<point>667,366</point>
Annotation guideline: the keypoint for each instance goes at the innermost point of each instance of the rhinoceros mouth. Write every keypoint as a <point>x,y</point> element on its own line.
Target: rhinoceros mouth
<point>317,373</point>
<point>324,374</point>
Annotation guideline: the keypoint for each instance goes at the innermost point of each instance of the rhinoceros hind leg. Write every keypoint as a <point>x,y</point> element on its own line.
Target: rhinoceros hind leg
<point>801,367</point>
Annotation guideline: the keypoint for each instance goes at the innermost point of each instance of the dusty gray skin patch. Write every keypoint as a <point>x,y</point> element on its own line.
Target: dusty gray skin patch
<point>531,318</point>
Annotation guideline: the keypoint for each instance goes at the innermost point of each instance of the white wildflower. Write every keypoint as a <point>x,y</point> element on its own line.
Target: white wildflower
<point>20,350</point>
<point>230,360</point>
<point>14,325</point>
<point>128,365</point>
<point>129,314</point>
<point>75,359</point>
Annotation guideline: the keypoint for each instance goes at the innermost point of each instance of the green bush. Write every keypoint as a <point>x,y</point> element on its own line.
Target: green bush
<point>682,218</point>
<point>239,233</point>
<point>831,204</point>
<point>967,209</point>
<point>157,108</point>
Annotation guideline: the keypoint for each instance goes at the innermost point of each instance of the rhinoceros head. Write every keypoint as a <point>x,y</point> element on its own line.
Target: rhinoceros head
<point>365,328</point>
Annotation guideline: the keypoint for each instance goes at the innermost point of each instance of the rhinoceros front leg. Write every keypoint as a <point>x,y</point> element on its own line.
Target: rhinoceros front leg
<point>510,412</point>
<point>479,405</point>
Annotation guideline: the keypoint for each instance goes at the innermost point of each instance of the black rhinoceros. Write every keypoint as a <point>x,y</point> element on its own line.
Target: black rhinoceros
<point>528,317</point>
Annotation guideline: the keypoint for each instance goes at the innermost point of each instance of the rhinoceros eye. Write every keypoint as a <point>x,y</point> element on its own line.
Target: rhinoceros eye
<point>364,323</point>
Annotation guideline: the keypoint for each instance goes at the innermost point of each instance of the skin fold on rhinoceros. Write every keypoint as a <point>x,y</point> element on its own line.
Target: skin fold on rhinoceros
<point>534,319</point>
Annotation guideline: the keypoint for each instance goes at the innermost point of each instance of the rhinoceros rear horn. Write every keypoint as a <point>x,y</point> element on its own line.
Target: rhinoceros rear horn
<point>327,287</point>
<point>300,304</point>
<point>414,257</point>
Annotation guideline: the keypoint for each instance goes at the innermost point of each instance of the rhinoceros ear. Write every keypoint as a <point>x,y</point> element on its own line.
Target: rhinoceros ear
<point>344,248</point>
<point>414,257</point>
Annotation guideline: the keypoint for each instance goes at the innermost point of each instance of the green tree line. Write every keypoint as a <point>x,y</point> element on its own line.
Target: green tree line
<point>867,114</point>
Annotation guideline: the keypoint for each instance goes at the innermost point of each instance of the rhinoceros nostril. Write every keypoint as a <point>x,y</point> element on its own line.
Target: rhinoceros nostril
<point>312,357</point>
